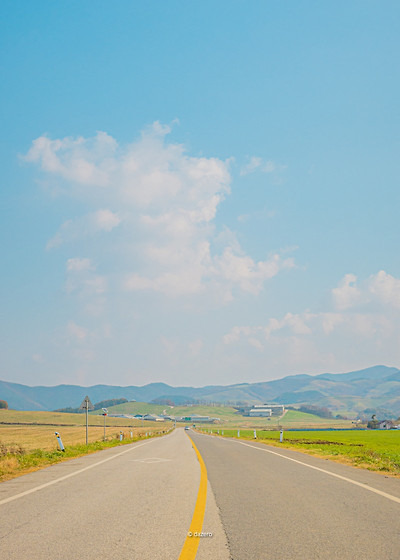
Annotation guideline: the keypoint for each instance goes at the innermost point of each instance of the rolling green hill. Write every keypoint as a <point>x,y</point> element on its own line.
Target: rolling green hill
<point>344,393</point>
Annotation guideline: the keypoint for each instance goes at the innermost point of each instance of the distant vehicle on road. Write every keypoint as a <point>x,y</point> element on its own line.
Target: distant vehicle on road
<point>187,428</point>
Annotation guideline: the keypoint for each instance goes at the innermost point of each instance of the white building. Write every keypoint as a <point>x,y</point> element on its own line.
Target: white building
<point>266,412</point>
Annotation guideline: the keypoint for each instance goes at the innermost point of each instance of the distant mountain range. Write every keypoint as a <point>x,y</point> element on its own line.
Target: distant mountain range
<point>344,393</point>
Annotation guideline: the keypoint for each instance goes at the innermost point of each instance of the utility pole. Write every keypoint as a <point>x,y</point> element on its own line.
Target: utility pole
<point>86,406</point>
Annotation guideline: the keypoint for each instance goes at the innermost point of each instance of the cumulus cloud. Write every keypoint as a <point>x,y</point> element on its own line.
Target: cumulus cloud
<point>378,289</point>
<point>239,270</point>
<point>165,201</point>
<point>85,161</point>
<point>347,294</point>
<point>385,288</point>
<point>362,327</point>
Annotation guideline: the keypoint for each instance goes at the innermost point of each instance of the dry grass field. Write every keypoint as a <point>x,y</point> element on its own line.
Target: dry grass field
<point>28,438</point>
<point>61,418</point>
<point>28,441</point>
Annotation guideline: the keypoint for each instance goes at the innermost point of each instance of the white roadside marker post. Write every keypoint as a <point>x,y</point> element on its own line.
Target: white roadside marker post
<point>281,436</point>
<point>105,412</point>
<point>121,436</point>
<point>60,443</point>
<point>238,433</point>
<point>255,434</point>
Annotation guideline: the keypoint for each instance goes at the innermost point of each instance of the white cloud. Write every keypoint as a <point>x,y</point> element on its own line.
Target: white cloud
<point>81,274</point>
<point>380,288</point>
<point>385,288</point>
<point>347,294</point>
<point>364,331</point>
<point>102,220</point>
<point>85,161</point>
<point>330,321</point>
<point>244,272</point>
<point>105,220</point>
<point>167,202</point>
<point>79,265</point>
<point>253,164</point>
<point>257,336</point>
<point>259,164</point>
<point>255,343</point>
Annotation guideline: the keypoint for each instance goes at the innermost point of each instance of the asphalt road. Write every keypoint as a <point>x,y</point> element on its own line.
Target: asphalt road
<point>136,502</point>
<point>274,507</point>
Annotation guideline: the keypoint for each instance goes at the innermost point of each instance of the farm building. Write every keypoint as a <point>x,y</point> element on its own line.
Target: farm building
<point>264,410</point>
<point>386,425</point>
<point>260,412</point>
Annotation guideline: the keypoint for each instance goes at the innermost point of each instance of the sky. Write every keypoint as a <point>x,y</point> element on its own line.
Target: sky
<point>198,192</point>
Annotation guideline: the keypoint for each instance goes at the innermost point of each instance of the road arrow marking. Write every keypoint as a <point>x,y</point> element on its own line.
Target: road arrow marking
<point>150,460</point>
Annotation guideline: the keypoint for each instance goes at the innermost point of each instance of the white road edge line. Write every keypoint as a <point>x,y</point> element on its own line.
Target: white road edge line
<point>361,484</point>
<point>37,488</point>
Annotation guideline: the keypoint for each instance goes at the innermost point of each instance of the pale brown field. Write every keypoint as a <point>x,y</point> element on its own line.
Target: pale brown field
<point>61,418</point>
<point>36,430</point>
<point>43,437</point>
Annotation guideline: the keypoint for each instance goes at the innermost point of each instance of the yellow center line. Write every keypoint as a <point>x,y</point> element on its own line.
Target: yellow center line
<point>189,549</point>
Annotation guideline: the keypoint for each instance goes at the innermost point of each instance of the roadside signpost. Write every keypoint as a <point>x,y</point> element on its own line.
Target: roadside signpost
<point>86,405</point>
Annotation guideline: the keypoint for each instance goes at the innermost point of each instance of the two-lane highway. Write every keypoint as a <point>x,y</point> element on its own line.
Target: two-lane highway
<point>140,501</point>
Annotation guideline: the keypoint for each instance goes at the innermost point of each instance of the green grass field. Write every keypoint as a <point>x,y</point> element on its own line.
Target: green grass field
<point>377,450</point>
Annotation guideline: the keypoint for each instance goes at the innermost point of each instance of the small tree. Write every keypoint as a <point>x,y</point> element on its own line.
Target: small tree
<point>3,404</point>
<point>373,424</point>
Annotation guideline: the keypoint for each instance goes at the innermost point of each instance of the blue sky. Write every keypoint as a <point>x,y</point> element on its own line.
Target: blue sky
<point>198,192</point>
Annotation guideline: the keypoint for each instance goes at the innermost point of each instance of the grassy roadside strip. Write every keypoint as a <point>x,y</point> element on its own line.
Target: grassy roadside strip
<point>375,450</point>
<point>15,461</point>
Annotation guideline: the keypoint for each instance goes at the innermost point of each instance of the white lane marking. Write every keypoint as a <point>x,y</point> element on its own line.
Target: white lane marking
<point>37,488</point>
<point>361,484</point>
